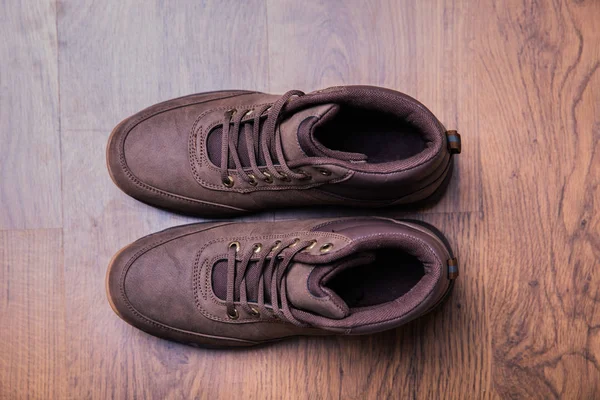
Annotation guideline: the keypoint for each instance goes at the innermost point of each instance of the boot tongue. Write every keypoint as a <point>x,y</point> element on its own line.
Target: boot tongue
<point>298,133</point>
<point>306,288</point>
<point>297,137</point>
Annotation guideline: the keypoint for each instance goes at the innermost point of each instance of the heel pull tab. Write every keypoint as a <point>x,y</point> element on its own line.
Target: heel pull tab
<point>453,142</point>
<point>453,268</point>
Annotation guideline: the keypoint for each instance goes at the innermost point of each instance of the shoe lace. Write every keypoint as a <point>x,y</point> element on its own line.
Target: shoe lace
<point>257,142</point>
<point>272,262</point>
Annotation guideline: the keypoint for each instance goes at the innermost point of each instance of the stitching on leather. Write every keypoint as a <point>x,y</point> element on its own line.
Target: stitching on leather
<point>321,225</point>
<point>128,265</point>
<point>151,112</point>
<point>218,302</point>
<point>336,303</point>
<point>383,203</point>
<point>403,170</point>
<point>379,234</point>
<point>209,293</point>
<point>325,299</point>
<point>197,287</point>
<point>424,246</point>
<point>204,162</point>
<point>192,139</point>
<point>193,148</point>
<point>167,194</point>
<point>421,241</point>
<point>165,107</point>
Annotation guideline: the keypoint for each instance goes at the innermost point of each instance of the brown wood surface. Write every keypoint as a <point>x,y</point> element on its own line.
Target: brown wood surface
<point>520,81</point>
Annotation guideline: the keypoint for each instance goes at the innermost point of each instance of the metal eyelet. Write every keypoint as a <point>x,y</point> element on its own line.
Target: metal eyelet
<point>306,177</point>
<point>249,112</point>
<point>254,311</point>
<point>236,245</point>
<point>228,182</point>
<point>229,113</point>
<point>324,172</point>
<point>312,245</point>
<point>257,247</point>
<point>295,243</point>
<point>235,314</point>
<point>253,180</point>
<point>268,178</point>
<point>326,247</point>
<point>284,177</point>
<point>277,244</point>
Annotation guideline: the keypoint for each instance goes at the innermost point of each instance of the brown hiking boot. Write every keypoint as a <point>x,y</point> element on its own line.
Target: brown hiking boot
<point>230,152</point>
<point>227,284</point>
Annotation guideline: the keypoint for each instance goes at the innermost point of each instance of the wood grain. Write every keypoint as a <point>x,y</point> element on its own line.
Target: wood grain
<point>117,60</point>
<point>541,195</point>
<point>32,341</point>
<point>29,116</point>
<point>518,79</point>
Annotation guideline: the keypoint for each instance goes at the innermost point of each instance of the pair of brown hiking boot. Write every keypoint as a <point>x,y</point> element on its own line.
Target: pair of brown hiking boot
<point>227,153</point>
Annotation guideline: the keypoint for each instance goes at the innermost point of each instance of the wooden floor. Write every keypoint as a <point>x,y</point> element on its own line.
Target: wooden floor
<point>520,80</point>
